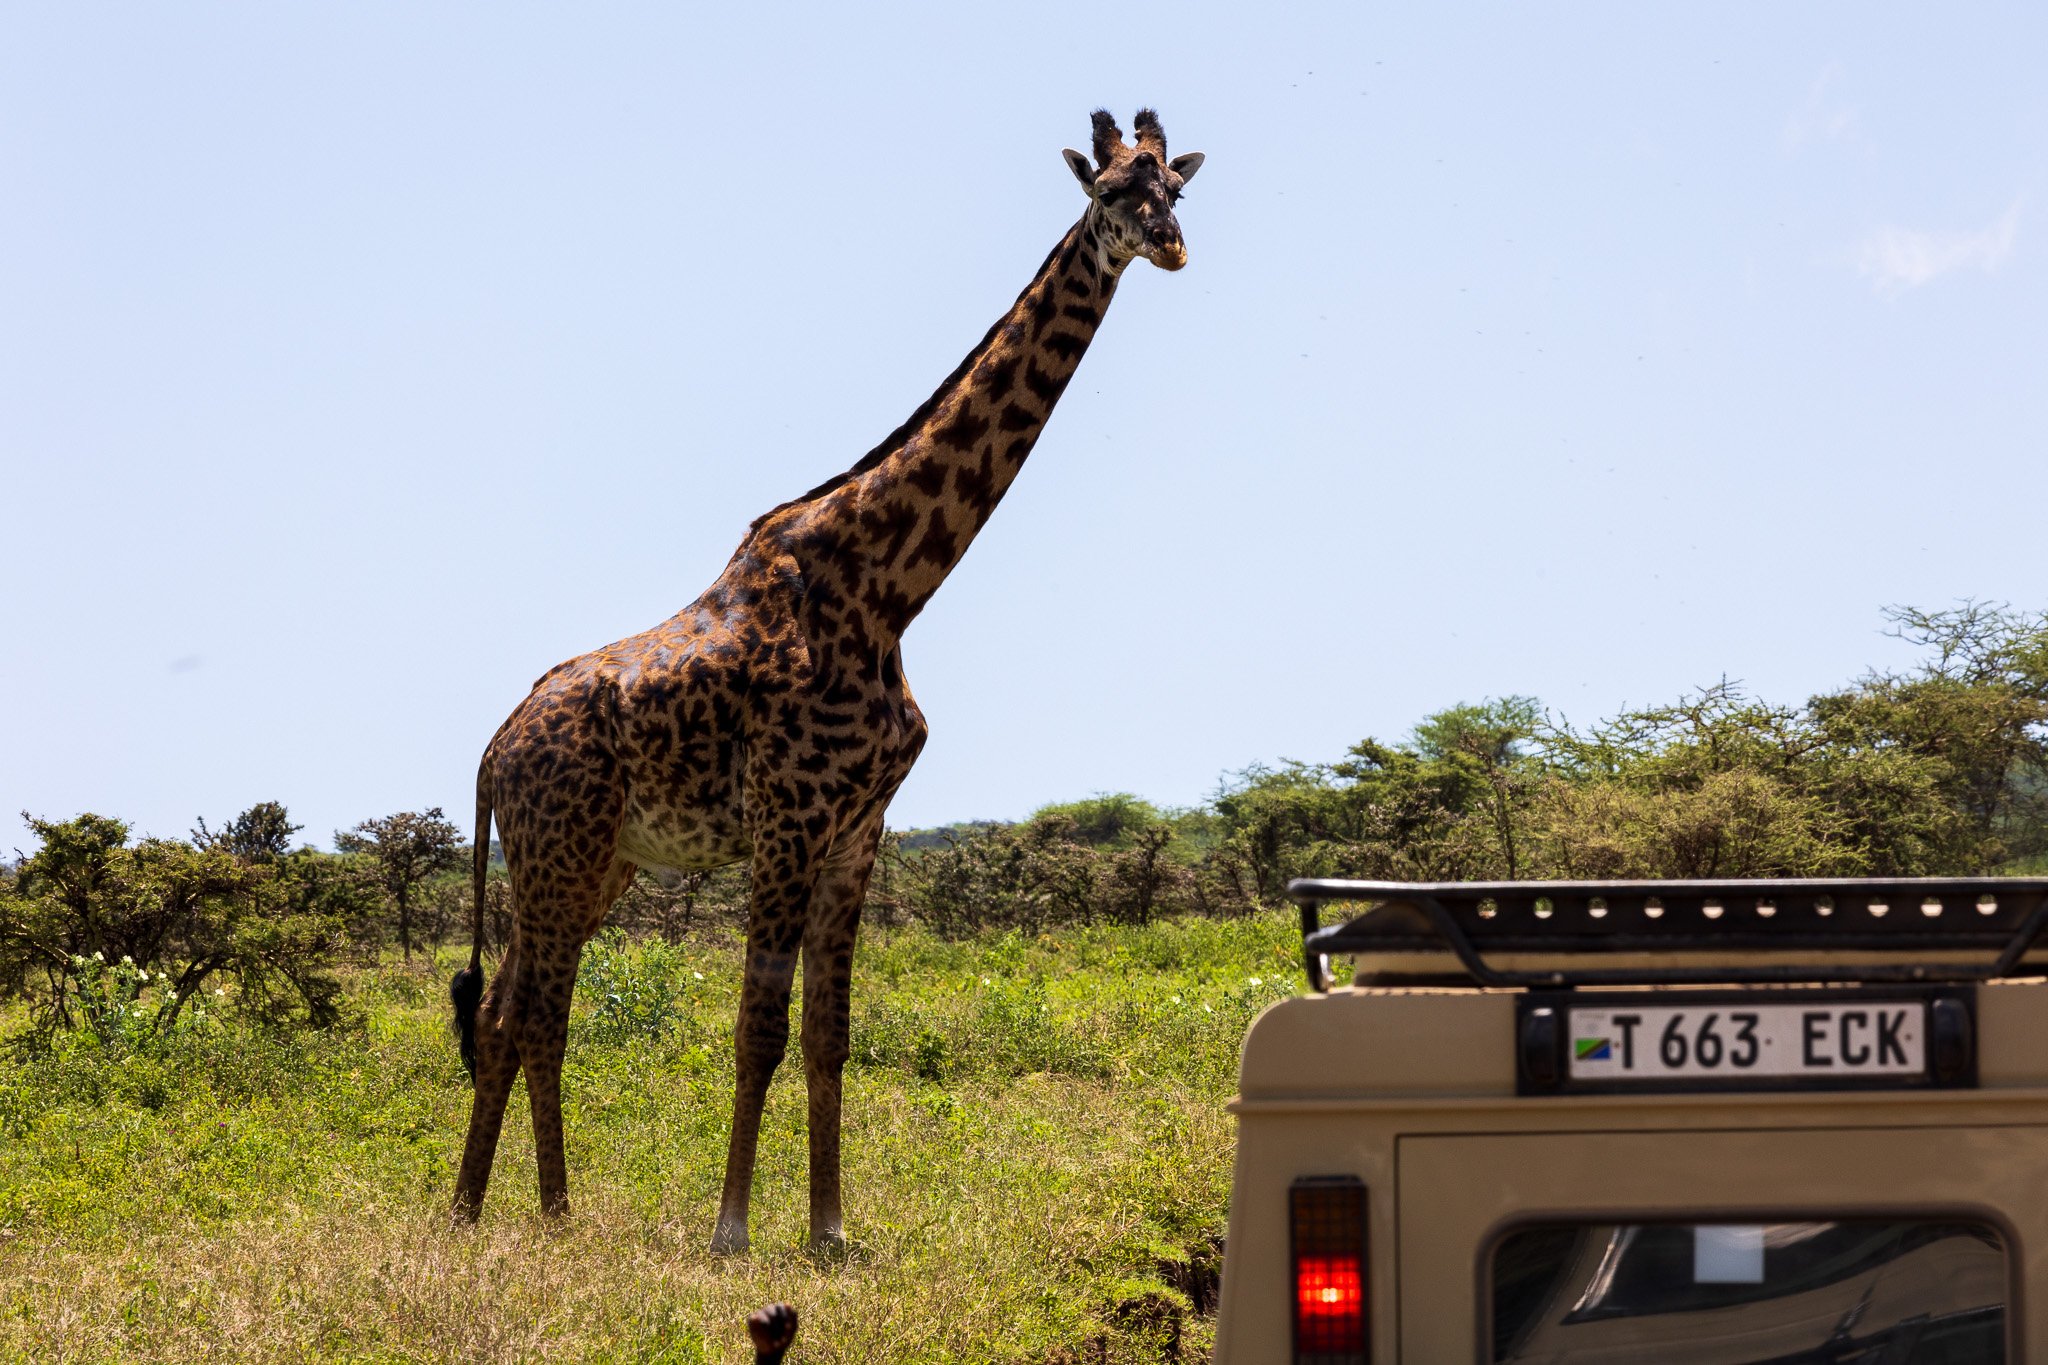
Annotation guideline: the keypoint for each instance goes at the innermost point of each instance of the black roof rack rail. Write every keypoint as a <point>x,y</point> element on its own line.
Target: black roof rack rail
<point>1903,918</point>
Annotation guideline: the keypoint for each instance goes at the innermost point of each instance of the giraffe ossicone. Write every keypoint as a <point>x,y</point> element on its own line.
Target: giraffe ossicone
<point>769,721</point>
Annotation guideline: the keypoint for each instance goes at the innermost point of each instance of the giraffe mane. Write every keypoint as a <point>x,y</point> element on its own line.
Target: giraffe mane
<point>896,439</point>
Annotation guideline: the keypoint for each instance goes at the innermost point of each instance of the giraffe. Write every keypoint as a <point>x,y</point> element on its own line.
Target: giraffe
<point>769,720</point>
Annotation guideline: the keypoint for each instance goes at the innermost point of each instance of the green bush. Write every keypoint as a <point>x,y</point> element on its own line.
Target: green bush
<point>122,940</point>
<point>631,990</point>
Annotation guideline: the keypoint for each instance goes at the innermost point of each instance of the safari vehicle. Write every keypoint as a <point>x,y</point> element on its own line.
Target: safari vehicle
<point>1664,1123</point>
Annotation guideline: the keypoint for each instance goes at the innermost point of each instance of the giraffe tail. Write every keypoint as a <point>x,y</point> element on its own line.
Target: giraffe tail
<point>466,991</point>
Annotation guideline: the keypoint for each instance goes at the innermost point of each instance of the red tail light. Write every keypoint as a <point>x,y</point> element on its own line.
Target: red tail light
<point>1327,1229</point>
<point>1328,1287</point>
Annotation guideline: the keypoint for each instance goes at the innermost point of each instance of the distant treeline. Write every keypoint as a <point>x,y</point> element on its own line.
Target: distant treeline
<point>1939,769</point>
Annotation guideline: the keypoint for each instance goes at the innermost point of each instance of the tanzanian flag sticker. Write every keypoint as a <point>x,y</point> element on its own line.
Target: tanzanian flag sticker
<point>1592,1049</point>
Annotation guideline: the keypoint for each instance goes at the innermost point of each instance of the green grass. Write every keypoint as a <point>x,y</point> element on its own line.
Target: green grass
<point>1035,1139</point>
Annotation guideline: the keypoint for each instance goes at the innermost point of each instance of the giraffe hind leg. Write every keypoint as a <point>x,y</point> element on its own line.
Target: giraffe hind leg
<point>543,1038</point>
<point>570,914</point>
<point>496,1067</point>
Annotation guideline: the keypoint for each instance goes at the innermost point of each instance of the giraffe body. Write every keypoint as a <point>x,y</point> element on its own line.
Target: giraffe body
<point>769,721</point>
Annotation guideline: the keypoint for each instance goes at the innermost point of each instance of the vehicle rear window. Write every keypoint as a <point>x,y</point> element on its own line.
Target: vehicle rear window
<point>1928,1291</point>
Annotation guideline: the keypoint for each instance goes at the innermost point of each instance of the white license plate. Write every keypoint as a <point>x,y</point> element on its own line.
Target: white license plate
<point>1683,1042</point>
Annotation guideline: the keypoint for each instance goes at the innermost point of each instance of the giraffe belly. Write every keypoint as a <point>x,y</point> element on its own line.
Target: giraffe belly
<point>682,840</point>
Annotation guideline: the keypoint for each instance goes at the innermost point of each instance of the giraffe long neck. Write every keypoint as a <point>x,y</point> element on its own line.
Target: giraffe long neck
<point>895,525</point>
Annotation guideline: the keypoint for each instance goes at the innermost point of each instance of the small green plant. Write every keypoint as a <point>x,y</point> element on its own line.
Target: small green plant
<point>634,991</point>
<point>106,999</point>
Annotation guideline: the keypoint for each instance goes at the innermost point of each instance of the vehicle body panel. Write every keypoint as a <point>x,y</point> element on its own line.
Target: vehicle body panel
<point>1413,1091</point>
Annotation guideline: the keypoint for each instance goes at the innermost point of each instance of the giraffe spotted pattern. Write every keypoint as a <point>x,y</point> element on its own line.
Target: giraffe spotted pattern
<point>769,721</point>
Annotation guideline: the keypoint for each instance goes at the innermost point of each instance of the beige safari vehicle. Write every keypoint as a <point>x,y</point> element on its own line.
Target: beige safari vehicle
<point>1661,1123</point>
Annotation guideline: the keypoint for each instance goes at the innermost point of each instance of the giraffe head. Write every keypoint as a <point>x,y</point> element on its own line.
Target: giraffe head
<point>1132,190</point>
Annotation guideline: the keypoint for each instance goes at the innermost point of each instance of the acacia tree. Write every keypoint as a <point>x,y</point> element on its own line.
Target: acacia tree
<point>1971,724</point>
<point>1716,784</point>
<point>1483,751</point>
<point>172,916</point>
<point>405,851</point>
<point>261,834</point>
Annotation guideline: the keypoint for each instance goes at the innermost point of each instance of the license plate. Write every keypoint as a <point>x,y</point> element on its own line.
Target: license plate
<point>1834,1040</point>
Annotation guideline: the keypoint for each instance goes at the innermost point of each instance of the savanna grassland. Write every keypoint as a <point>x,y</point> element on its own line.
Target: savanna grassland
<point>1038,1159</point>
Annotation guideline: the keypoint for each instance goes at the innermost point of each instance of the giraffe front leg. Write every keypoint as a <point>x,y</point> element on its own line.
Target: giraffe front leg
<point>828,979</point>
<point>775,927</point>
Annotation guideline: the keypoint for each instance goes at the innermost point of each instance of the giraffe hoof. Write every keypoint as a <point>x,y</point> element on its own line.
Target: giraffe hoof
<point>829,1246</point>
<point>729,1240</point>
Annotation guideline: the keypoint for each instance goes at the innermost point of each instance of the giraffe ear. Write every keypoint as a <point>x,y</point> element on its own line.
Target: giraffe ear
<point>1186,164</point>
<point>1078,164</point>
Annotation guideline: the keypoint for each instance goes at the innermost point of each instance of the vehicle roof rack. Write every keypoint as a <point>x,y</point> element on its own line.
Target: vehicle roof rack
<point>1835,930</point>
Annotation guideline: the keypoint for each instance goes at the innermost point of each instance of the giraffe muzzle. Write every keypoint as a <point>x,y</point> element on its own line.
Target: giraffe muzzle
<point>1166,250</point>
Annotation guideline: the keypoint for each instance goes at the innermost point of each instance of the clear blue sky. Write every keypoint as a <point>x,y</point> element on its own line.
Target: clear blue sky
<point>361,362</point>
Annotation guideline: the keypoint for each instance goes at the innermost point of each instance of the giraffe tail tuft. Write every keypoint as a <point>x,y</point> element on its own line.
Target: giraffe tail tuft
<point>466,991</point>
